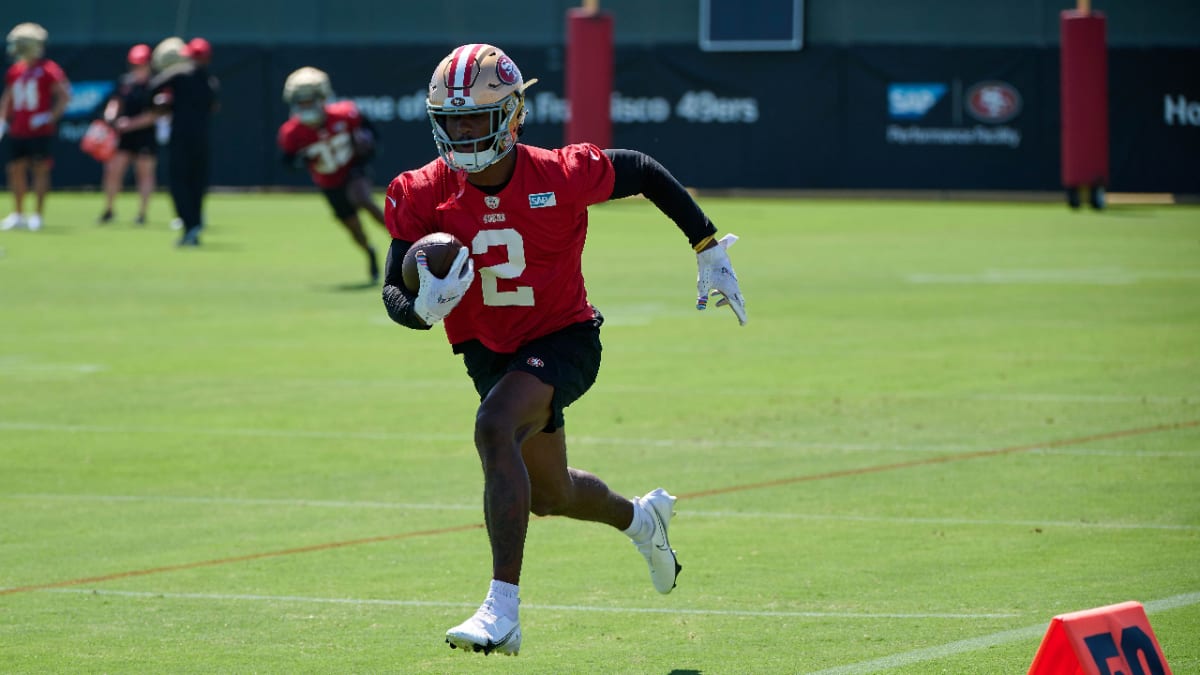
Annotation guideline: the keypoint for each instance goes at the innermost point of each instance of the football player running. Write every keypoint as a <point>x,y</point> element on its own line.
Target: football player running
<point>335,142</point>
<point>36,92</point>
<point>515,307</point>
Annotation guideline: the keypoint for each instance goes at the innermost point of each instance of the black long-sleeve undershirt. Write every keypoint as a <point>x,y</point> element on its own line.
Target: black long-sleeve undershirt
<point>634,173</point>
<point>639,173</point>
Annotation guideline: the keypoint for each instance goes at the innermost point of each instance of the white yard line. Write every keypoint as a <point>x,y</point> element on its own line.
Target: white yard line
<point>984,641</point>
<point>464,437</point>
<point>683,513</point>
<point>531,606</point>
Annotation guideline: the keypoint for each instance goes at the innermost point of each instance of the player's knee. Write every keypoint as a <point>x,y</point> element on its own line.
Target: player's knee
<point>495,437</point>
<point>549,502</point>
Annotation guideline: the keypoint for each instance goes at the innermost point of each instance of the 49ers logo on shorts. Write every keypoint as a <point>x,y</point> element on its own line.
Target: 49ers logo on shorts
<point>507,70</point>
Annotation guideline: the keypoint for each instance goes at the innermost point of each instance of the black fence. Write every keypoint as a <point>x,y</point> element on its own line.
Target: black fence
<point>978,118</point>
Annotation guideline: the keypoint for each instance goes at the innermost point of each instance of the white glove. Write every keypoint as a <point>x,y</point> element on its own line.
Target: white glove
<point>437,297</point>
<point>38,120</point>
<point>716,277</point>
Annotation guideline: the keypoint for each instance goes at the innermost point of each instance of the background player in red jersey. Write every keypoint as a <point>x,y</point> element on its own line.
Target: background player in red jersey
<point>335,142</point>
<point>36,93</point>
<point>529,337</point>
<point>130,98</point>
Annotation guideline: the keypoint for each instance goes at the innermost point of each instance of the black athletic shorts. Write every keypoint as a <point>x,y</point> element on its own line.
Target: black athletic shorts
<point>567,359</point>
<point>31,147</point>
<point>140,142</point>
<point>339,197</point>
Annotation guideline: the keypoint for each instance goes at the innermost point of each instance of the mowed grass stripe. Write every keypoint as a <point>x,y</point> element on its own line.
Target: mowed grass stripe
<point>689,513</point>
<point>545,607</point>
<point>942,459</point>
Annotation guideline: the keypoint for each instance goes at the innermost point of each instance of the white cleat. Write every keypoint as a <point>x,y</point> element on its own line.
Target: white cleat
<point>34,222</point>
<point>657,550</point>
<point>485,632</point>
<point>12,220</point>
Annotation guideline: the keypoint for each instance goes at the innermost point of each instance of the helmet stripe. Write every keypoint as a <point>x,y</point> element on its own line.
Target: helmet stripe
<point>461,63</point>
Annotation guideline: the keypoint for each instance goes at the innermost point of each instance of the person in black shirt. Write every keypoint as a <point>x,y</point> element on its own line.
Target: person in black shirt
<point>186,92</point>
<point>130,99</point>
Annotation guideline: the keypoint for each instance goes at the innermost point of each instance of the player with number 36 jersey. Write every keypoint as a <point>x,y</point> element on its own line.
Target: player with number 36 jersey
<point>328,151</point>
<point>335,142</point>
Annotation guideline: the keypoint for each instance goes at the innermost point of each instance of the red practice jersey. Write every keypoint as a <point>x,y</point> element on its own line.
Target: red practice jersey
<point>526,241</point>
<point>31,91</point>
<point>329,149</point>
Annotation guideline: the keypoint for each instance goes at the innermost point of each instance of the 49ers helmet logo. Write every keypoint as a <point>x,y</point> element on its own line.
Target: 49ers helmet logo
<point>507,71</point>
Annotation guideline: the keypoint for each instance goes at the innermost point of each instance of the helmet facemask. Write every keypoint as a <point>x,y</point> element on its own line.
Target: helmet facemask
<point>476,154</point>
<point>477,79</point>
<point>310,111</point>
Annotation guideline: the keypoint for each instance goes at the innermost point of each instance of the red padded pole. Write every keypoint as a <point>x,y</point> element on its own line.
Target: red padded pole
<point>1084,93</point>
<point>589,79</point>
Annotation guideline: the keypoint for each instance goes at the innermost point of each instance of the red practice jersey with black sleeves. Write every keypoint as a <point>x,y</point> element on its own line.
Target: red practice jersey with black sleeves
<point>31,91</point>
<point>328,150</point>
<point>526,241</point>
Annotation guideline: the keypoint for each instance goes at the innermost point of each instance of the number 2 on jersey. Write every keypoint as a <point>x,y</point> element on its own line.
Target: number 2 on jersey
<point>520,296</point>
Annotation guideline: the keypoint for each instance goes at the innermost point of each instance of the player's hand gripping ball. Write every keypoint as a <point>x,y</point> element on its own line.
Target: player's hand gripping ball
<point>440,250</point>
<point>440,271</point>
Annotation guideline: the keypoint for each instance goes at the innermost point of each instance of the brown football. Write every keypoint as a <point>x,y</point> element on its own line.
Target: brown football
<point>440,251</point>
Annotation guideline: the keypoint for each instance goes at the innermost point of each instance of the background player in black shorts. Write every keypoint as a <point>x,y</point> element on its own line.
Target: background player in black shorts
<point>137,144</point>
<point>188,93</point>
<point>335,142</point>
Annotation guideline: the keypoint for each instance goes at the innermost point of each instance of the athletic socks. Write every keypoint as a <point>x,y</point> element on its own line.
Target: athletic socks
<point>504,598</point>
<point>642,527</point>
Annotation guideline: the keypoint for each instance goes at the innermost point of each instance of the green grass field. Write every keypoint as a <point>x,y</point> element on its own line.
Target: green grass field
<point>945,424</point>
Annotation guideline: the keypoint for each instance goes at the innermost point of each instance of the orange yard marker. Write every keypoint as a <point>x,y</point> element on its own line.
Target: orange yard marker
<point>1101,641</point>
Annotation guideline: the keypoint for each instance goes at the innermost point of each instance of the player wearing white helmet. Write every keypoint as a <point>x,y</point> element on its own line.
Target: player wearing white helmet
<point>188,94</point>
<point>515,307</point>
<point>36,92</point>
<point>335,142</point>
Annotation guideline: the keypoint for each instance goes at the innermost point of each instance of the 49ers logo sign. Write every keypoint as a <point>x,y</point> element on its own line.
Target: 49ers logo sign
<point>993,102</point>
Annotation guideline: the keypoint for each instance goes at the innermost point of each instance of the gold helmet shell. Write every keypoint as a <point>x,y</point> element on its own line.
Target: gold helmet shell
<point>170,52</point>
<point>27,41</point>
<point>476,79</point>
<point>306,84</point>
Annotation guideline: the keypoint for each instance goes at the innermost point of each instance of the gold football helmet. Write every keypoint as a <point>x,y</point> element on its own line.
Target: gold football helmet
<point>27,41</point>
<point>306,90</point>
<point>477,79</point>
<point>170,52</point>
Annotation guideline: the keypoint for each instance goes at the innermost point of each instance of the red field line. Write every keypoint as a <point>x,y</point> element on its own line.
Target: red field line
<point>239,558</point>
<point>940,459</point>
